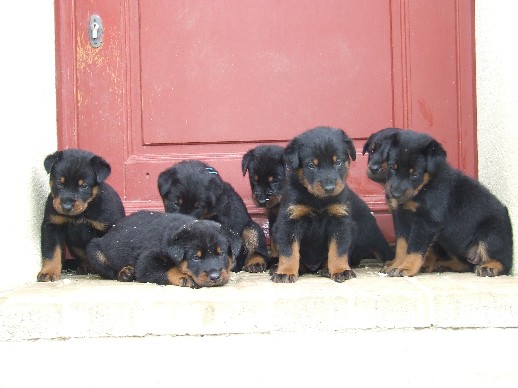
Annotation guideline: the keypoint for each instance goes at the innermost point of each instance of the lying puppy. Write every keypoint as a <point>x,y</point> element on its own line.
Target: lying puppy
<point>266,172</point>
<point>319,215</point>
<point>434,203</point>
<point>194,188</point>
<point>80,206</point>
<point>165,249</point>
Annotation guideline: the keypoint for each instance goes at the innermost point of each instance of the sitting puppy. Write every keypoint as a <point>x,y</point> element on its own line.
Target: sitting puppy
<point>80,206</point>
<point>165,249</point>
<point>434,203</point>
<point>377,146</point>
<point>267,174</point>
<point>194,188</point>
<point>320,216</point>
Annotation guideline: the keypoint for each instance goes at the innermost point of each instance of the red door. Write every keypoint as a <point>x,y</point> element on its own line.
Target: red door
<point>210,79</point>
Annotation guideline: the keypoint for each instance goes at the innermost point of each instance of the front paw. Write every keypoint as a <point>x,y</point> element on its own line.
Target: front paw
<point>283,278</point>
<point>255,264</point>
<point>48,276</point>
<point>187,281</point>
<point>126,274</point>
<point>341,277</point>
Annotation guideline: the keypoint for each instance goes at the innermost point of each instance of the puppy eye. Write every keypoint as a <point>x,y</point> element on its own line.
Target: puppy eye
<point>195,257</point>
<point>275,181</point>
<point>414,174</point>
<point>59,184</point>
<point>176,203</point>
<point>371,151</point>
<point>338,163</point>
<point>84,186</point>
<point>393,167</point>
<point>311,165</point>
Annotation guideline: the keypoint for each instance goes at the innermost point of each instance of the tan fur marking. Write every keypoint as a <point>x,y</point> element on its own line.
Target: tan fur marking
<point>401,252</point>
<point>250,240</point>
<point>101,258</point>
<point>51,268</point>
<point>335,263</point>
<point>338,210</point>
<point>411,205</point>
<point>315,162</point>
<point>296,212</point>
<point>270,179</point>
<point>289,265</point>
<point>176,277</point>
<point>255,260</point>
<point>495,265</point>
<point>453,264</point>
<point>411,264</point>
<point>80,183</point>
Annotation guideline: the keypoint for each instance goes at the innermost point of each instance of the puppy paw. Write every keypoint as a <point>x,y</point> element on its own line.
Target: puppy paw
<point>48,276</point>
<point>490,269</point>
<point>283,278</point>
<point>187,281</point>
<point>126,274</point>
<point>341,277</point>
<point>255,264</point>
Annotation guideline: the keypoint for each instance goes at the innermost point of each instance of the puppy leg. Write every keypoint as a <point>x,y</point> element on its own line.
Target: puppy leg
<point>51,251</point>
<point>254,243</point>
<point>401,251</point>
<point>287,270</point>
<point>99,262</point>
<point>338,264</point>
<point>51,268</point>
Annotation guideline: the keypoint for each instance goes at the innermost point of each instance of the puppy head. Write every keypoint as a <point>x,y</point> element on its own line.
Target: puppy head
<point>319,159</point>
<point>74,179</point>
<point>266,172</point>
<point>205,251</point>
<point>190,187</point>
<point>377,146</point>
<point>413,160</point>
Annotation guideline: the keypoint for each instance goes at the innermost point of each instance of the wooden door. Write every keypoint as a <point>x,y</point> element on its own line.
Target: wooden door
<point>209,79</point>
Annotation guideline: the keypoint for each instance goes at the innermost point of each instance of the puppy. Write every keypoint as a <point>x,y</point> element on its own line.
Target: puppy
<point>433,202</point>
<point>194,188</point>
<point>314,229</point>
<point>165,249</point>
<point>80,206</point>
<point>266,172</point>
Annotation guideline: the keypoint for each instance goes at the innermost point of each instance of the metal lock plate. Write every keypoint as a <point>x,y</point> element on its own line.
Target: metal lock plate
<point>95,31</point>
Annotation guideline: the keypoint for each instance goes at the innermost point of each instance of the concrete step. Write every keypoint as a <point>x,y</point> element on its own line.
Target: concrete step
<point>90,307</point>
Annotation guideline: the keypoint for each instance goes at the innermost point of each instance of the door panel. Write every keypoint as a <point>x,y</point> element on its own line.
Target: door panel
<point>208,80</point>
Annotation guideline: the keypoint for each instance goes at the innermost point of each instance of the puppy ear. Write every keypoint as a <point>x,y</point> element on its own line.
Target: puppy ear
<point>51,160</point>
<point>165,181</point>
<point>234,240</point>
<point>101,167</point>
<point>291,154</point>
<point>350,146</point>
<point>435,155</point>
<point>175,246</point>
<point>367,145</point>
<point>245,162</point>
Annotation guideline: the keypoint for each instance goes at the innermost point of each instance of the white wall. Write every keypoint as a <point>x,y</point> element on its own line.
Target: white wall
<point>28,122</point>
<point>497,102</point>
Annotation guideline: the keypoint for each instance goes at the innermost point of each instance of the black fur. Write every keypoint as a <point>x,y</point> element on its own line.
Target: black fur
<point>319,215</point>
<point>434,202</point>
<point>80,206</point>
<point>165,249</point>
<point>267,175</point>
<point>195,188</point>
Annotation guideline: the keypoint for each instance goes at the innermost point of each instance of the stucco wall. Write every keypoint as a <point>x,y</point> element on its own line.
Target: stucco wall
<point>497,101</point>
<point>28,122</point>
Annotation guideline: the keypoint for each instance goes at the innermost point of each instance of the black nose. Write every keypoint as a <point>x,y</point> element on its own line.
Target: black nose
<point>67,206</point>
<point>374,168</point>
<point>213,275</point>
<point>329,187</point>
<point>396,193</point>
<point>261,201</point>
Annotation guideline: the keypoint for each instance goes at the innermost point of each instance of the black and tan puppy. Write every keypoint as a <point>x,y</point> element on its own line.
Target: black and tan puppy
<point>267,174</point>
<point>377,146</point>
<point>434,203</point>
<point>165,248</point>
<point>315,229</point>
<point>80,206</point>
<point>194,188</point>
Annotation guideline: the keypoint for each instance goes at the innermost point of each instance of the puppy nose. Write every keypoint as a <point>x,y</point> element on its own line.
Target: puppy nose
<point>396,193</point>
<point>328,187</point>
<point>213,275</point>
<point>261,201</point>
<point>374,168</point>
<point>67,206</point>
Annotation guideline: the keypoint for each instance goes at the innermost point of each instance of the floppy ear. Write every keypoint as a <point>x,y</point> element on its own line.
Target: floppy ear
<point>245,162</point>
<point>165,181</point>
<point>101,167</point>
<point>51,160</point>
<point>291,154</point>
<point>367,145</point>
<point>350,146</point>
<point>234,240</point>
<point>435,155</point>
<point>175,248</point>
